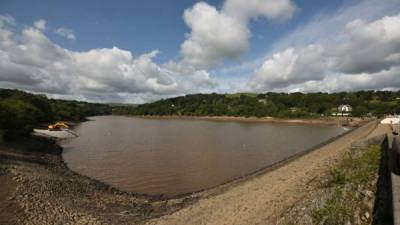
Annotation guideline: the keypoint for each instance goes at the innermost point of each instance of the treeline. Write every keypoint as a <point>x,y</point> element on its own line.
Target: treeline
<point>372,103</point>
<point>20,112</point>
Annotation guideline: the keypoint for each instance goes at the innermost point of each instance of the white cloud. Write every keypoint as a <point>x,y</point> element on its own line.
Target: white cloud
<point>217,35</point>
<point>360,55</point>
<point>40,24</point>
<point>383,80</point>
<point>372,46</point>
<point>65,32</point>
<point>249,9</point>
<point>200,78</point>
<point>6,20</point>
<point>291,66</point>
<point>214,36</point>
<point>30,61</point>
<point>327,27</point>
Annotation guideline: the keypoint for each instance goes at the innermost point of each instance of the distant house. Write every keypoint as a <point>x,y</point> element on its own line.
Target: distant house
<point>345,109</point>
<point>342,110</point>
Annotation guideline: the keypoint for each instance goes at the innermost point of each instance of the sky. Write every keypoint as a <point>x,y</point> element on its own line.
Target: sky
<point>142,51</point>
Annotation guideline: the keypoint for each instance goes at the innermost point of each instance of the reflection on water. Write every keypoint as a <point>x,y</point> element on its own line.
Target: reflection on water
<point>171,157</point>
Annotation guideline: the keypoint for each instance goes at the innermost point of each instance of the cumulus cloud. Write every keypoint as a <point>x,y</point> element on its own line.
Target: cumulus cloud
<point>383,80</point>
<point>289,67</point>
<point>6,20</point>
<point>40,24</point>
<point>367,56</point>
<point>65,32</point>
<point>217,35</point>
<point>200,78</point>
<point>30,61</point>
<point>372,47</point>
<point>214,36</point>
<point>247,10</point>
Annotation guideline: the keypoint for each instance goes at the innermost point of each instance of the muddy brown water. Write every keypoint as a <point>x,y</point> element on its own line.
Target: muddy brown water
<point>172,156</point>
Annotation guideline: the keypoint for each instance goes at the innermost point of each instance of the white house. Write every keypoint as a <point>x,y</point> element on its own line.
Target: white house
<point>345,109</point>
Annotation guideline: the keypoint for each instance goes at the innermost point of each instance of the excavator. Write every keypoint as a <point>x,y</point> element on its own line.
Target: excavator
<point>57,126</point>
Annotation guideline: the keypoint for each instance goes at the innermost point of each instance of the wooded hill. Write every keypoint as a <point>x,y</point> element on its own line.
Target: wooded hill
<point>376,103</point>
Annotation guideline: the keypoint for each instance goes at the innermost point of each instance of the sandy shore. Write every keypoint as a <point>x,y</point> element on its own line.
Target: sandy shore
<point>42,190</point>
<point>262,199</point>
<point>351,121</point>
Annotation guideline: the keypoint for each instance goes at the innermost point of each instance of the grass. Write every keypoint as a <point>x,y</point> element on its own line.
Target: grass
<point>356,170</point>
<point>346,194</point>
<point>348,183</point>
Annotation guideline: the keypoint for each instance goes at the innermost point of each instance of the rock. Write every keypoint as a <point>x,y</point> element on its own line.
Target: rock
<point>369,193</point>
<point>124,212</point>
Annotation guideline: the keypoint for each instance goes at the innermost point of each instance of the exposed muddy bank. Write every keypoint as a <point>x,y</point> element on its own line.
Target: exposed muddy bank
<point>47,192</point>
<point>345,121</point>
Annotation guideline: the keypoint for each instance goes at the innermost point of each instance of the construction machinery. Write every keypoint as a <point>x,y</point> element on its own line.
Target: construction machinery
<point>57,126</point>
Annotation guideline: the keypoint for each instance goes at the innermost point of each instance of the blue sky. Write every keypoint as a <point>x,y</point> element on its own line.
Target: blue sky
<point>139,51</point>
<point>142,26</point>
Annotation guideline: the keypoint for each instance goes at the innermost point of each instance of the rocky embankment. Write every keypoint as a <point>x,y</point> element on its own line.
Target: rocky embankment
<point>38,188</point>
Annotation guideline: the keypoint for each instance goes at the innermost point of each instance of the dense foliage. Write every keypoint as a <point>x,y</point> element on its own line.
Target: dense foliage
<point>20,112</point>
<point>375,103</point>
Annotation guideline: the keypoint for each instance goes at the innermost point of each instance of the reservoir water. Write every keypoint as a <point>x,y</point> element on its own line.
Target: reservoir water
<point>172,157</point>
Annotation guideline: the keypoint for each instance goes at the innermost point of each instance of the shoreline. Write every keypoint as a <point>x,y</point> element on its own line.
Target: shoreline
<point>158,204</point>
<point>263,197</point>
<point>228,184</point>
<point>201,193</point>
<point>89,200</point>
<point>344,121</point>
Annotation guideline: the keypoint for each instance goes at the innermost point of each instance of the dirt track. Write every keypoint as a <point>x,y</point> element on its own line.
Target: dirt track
<point>263,198</point>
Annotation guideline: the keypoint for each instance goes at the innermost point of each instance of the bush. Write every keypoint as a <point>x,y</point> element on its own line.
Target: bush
<point>20,112</point>
<point>18,117</point>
